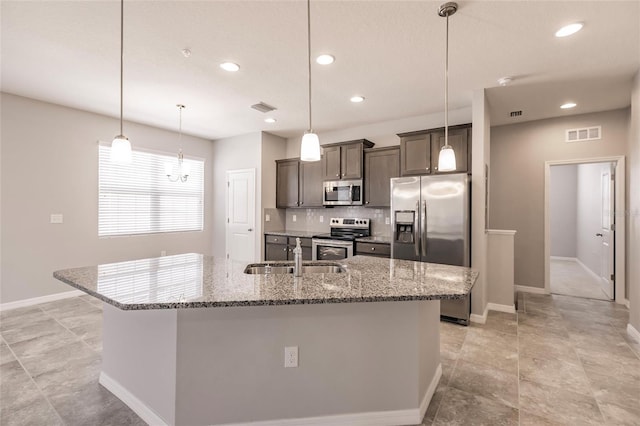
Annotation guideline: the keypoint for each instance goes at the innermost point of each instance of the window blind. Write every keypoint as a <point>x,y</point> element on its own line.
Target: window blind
<point>138,198</point>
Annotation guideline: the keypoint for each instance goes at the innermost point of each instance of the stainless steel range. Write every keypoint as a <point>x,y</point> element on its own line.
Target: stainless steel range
<point>339,243</point>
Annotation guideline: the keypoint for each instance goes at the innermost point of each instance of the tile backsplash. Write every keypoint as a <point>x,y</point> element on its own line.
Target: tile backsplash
<point>310,219</point>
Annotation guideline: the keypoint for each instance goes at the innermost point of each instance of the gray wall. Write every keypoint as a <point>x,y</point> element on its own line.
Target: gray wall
<point>518,154</point>
<point>589,219</point>
<point>562,210</point>
<point>633,267</point>
<point>50,165</point>
<point>234,153</point>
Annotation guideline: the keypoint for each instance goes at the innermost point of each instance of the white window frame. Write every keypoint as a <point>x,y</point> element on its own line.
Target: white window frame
<point>142,201</point>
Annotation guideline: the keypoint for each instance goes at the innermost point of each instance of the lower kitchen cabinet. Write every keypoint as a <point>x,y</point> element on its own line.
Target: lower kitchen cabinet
<point>278,247</point>
<point>373,249</point>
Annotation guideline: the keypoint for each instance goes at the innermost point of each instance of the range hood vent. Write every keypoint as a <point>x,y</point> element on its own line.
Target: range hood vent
<point>584,134</point>
<point>262,107</point>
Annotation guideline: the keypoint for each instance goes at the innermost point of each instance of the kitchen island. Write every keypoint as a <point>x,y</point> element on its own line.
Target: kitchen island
<point>190,339</point>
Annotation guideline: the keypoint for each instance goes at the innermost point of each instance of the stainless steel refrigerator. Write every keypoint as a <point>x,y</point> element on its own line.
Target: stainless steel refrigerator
<point>430,223</point>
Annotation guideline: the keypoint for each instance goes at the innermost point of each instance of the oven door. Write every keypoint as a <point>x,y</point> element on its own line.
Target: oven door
<point>331,249</point>
<point>342,193</point>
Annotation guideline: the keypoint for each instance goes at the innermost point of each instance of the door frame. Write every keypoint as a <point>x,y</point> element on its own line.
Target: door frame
<point>257,229</point>
<point>619,214</point>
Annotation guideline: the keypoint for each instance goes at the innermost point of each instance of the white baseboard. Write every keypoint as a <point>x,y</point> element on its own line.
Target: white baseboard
<point>573,259</point>
<point>510,309</point>
<point>480,319</point>
<point>37,300</point>
<point>380,418</point>
<point>631,331</point>
<point>529,289</point>
<point>140,408</point>
<point>588,270</point>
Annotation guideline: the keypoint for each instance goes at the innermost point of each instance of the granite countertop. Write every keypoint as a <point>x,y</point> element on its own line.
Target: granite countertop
<point>299,234</point>
<point>197,281</point>
<point>372,239</point>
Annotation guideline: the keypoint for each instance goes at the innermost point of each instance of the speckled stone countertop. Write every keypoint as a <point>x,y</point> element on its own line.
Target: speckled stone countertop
<point>372,239</point>
<point>299,234</point>
<point>196,281</point>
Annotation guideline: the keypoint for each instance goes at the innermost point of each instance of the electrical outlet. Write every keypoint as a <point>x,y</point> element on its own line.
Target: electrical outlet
<point>290,356</point>
<point>321,219</point>
<point>387,221</point>
<point>56,218</point>
<point>294,218</point>
<point>267,218</point>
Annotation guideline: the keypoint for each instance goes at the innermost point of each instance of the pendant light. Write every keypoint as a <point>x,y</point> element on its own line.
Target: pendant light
<point>183,168</point>
<point>447,157</point>
<point>121,147</point>
<point>310,145</point>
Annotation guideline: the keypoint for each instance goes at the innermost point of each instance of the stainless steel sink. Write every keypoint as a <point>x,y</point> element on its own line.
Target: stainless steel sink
<point>311,268</point>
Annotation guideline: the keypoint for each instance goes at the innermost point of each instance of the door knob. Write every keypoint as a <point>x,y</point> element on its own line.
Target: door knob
<point>598,235</point>
<point>251,230</point>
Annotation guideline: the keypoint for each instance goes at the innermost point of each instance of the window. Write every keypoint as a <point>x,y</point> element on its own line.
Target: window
<point>138,198</point>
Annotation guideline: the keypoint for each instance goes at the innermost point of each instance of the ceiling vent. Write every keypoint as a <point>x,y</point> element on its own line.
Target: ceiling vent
<point>262,107</point>
<point>515,114</point>
<point>584,134</point>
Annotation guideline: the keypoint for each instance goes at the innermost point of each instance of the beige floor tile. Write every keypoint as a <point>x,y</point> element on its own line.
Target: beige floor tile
<point>489,382</point>
<point>554,372</point>
<point>621,416</point>
<point>559,404</point>
<point>463,408</point>
<point>620,390</point>
<point>505,359</point>
<point>570,278</point>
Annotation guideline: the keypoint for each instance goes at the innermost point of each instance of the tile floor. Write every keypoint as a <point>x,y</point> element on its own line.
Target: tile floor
<point>569,278</point>
<point>560,360</point>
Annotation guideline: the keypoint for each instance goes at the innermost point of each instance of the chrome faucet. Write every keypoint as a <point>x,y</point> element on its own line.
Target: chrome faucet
<point>297,259</point>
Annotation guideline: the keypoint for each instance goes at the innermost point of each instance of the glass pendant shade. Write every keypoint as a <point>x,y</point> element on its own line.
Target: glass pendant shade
<point>310,147</point>
<point>121,150</point>
<point>447,159</point>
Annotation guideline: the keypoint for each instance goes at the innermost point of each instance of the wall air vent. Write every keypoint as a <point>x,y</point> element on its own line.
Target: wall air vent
<point>584,134</point>
<point>515,114</point>
<point>262,107</point>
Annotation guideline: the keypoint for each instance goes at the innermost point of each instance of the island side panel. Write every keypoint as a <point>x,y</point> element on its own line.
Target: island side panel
<point>429,350</point>
<point>139,354</point>
<point>354,358</point>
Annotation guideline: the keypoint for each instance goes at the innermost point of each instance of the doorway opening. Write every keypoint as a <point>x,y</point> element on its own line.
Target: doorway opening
<point>584,244</point>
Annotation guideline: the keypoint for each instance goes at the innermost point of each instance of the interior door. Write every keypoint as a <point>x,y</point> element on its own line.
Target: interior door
<point>607,233</point>
<point>241,215</point>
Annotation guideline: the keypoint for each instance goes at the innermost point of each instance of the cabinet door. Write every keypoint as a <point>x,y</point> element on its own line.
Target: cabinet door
<point>379,168</point>
<point>458,141</point>
<point>275,252</point>
<point>331,163</point>
<point>287,183</point>
<point>415,155</point>
<point>351,161</point>
<point>311,184</point>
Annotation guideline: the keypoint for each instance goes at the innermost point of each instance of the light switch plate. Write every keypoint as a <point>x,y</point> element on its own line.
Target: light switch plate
<point>294,218</point>
<point>321,219</point>
<point>56,218</point>
<point>387,221</point>
<point>267,218</point>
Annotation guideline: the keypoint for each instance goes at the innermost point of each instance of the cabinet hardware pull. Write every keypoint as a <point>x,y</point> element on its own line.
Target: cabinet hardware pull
<point>285,249</point>
<point>373,248</point>
<point>338,175</point>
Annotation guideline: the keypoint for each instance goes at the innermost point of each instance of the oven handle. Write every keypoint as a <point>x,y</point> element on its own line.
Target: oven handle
<point>332,243</point>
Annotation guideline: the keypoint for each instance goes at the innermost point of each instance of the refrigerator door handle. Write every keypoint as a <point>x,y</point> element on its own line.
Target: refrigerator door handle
<point>423,238</point>
<point>416,239</point>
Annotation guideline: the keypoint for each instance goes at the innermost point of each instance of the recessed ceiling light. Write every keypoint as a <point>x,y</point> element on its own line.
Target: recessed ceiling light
<point>230,66</point>
<point>325,59</point>
<point>357,99</point>
<point>568,105</point>
<point>270,120</point>
<point>567,30</point>
<point>186,53</point>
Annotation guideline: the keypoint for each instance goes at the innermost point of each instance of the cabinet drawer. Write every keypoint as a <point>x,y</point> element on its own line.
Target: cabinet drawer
<point>373,249</point>
<point>304,242</point>
<point>276,239</point>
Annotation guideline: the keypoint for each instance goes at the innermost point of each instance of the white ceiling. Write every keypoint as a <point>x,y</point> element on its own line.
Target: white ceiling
<point>391,52</point>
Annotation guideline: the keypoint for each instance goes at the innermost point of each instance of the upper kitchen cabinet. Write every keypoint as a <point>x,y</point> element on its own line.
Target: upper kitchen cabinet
<point>415,153</point>
<point>344,160</point>
<point>419,151</point>
<point>310,184</point>
<point>380,165</point>
<point>287,183</point>
<point>459,139</point>
<point>298,183</point>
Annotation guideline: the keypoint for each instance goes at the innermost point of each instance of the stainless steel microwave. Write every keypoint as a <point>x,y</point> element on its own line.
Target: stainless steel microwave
<point>342,193</point>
